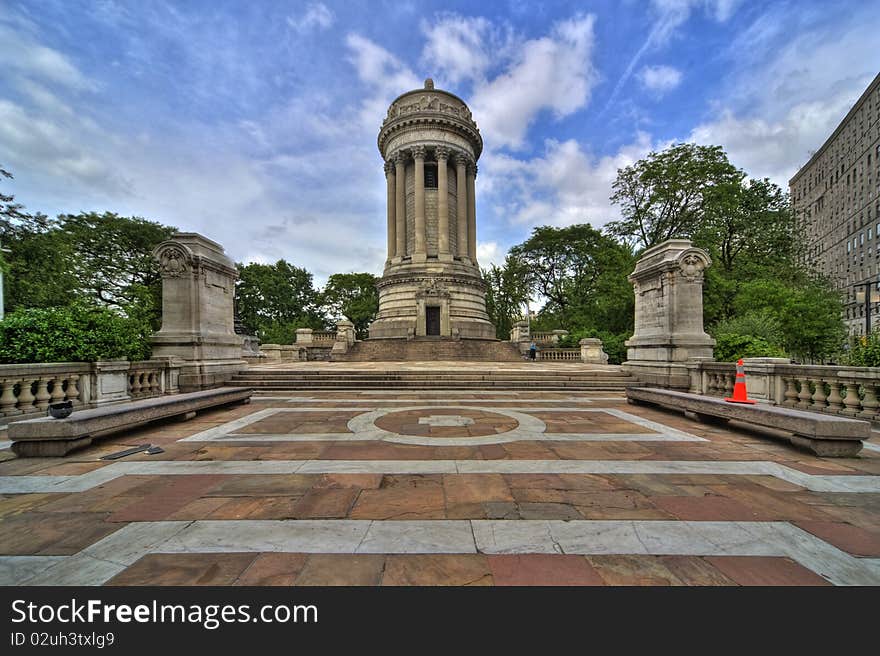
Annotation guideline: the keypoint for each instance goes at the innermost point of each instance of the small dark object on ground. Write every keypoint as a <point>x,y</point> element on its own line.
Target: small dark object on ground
<point>60,410</point>
<point>127,452</point>
<point>153,450</point>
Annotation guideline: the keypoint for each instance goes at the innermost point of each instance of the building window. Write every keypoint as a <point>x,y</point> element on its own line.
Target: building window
<point>430,175</point>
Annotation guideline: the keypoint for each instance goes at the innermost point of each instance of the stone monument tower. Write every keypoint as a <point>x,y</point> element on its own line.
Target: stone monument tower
<point>431,286</point>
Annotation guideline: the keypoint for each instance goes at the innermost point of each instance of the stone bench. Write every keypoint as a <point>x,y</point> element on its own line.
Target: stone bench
<point>824,435</point>
<point>48,437</point>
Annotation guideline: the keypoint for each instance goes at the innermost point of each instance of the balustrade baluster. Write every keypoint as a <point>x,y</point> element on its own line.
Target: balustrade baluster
<point>835,400</point>
<point>73,389</point>
<point>134,384</point>
<point>870,402</point>
<point>26,396</point>
<point>8,399</point>
<point>804,394</point>
<point>42,397</point>
<point>790,392</point>
<point>819,397</point>
<point>851,400</point>
<point>57,393</point>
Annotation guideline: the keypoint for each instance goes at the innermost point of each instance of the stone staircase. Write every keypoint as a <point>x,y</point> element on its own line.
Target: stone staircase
<point>426,349</point>
<point>566,378</point>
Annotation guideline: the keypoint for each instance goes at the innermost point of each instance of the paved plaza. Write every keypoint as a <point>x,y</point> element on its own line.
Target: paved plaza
<point>441,487</point>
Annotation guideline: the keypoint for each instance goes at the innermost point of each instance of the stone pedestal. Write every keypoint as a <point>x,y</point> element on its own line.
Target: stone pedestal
<point>345,338</point>
<point>197,311</point>
<point>592,352</point>
<point>668,284</point>
<point>110,381</point>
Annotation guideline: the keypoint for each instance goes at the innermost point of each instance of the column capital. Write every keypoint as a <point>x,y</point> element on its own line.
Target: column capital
<point>418,152</point>
<point>442,152</point>
<point>399,158</point>
<point>461,159</point>
<point>472,168</point>
<point>389,167</point>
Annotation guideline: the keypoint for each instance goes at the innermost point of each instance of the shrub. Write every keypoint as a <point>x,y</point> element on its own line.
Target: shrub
<point>731,346</point>
<point>77,333</point>
<point>762,323</point>
<point>865,351</point>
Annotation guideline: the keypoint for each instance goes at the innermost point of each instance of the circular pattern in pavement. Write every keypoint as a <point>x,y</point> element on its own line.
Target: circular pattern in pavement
<point>437,426</point>
<point>446,422</point>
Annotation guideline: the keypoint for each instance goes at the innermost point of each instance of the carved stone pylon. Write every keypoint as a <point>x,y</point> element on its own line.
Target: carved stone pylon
<point>198,318</point>
<point>668,285</point>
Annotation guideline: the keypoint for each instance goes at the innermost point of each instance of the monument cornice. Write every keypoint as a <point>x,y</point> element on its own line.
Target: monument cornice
<point>413,122</point>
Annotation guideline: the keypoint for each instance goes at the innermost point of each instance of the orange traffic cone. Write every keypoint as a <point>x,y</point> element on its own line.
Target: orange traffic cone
<point>739,387</point>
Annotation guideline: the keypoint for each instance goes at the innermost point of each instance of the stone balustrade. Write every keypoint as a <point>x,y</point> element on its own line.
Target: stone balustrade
<point>831,389</point>
<point>551,337</point>
<point>26,390</point>
<point>573,355</point>
<point>323,337</point>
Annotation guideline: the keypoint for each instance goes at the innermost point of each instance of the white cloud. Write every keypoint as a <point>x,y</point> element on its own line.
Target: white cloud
<point>316,16</point>
<point>382,73</point>
<point>790,89</point>
<point>489,253</point>
<point>563,186</point>
<point>660,79</point>
<point>459,48</point>
<point>35,61</point>
<point>553,73</point>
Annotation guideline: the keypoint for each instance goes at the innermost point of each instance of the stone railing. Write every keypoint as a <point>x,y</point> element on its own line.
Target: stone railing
<point>323,337</point>
<point>551,337</point>
<point>850,391</point>
<point>717,378</point>
<point>573,355</point>
<point>146,378</point>
<point>26,390</point>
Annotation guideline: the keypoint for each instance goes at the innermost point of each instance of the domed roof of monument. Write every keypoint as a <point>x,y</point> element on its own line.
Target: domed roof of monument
<point>434,106</point>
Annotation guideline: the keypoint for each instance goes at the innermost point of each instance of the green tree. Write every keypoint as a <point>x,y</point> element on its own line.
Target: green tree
<point>276,299</point>
<point>353,296</point>
<point>507,293</point>
<point>671,193</point>
<point>110,257</point>
<point>582,275</point>
<point>809,314</point>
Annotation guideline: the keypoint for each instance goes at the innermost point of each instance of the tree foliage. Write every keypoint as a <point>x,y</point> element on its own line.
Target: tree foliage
<point>581,273</point>
<point>507,294</point>
<point>670,193</point>
<point>353,296</point>
<point>275,299</point>
<point>80,332</point>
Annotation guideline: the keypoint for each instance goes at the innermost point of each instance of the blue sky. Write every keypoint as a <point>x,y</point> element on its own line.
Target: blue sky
<point>255,123</point>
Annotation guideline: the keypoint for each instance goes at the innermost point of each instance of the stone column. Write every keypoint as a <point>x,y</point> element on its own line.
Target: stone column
<point>392,214</point>
<point>400,202</point>
<point>462,211</point>
<point>442,155</point>
<point>198,284</point>
<point>471,213</point>
<point>668,284</point>
<point>419,243</point>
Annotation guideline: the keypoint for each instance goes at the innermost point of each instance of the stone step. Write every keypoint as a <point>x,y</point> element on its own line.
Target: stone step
<point>425,349</point>
<point>525,385</point>
<point>429,376</point>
